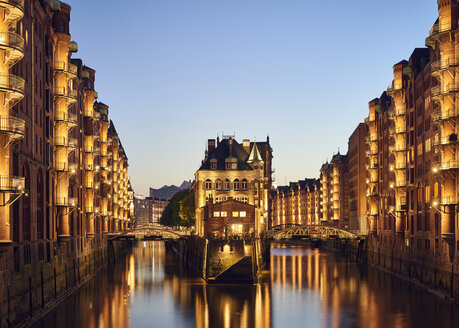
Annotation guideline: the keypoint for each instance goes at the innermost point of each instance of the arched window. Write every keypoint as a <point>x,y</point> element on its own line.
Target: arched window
<point>236,184</point>
<point>218,184</point>
<point>227,184</point>
<point>237,198</point>
<point>244,185</point>
<point>244,199</point>
<point>208,184</point>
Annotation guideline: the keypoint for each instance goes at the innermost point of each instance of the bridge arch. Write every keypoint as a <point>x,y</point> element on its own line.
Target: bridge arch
<point>317,231</point>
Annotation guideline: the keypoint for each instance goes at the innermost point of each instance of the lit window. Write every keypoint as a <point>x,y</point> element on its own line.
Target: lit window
<point>218,184</point>
<point>216,214</point>
<point>236,184</point>
<point>242,214</point>
<point>235,214</point>
<point>208,184</point>
<point>244,185</point>
<point>223,214</point>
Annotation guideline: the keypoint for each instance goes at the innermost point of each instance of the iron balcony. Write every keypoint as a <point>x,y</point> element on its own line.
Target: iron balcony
<point>12,126</point>
<point>12,183</point>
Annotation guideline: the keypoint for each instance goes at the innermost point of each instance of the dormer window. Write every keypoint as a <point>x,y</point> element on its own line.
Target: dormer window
<point>213,164</point>
<point>231,163</point>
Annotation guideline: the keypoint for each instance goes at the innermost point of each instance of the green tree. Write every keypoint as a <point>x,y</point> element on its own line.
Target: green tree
<point>187,210</point>
<point>180,211</point>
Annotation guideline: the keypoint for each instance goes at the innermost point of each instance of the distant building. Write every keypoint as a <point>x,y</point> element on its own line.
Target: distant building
<point>143,210</point>
<point>298,203</point>
<point>337,198</point>
<point>233,188</point>
<point>148,210</point>
<point>356,164</point>
<point>158,206</point>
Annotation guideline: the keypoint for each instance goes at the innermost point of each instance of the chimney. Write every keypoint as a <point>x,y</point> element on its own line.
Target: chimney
<point>230,146</point>
<point>210,145</point>
<point>246,145</point>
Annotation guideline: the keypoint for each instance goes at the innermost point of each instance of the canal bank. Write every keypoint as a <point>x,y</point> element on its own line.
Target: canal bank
<point>438,275</point>
<point>303,286</point>
<point>36,276</point>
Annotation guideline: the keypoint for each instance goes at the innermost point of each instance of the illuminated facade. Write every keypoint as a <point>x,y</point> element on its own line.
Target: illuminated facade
<point>337,198</point>
<point>237,174</point>
<point>412,181</point>
<point>54,151</point>
<point>298,203</point>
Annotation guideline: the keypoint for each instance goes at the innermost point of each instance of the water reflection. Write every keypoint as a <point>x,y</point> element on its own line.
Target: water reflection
<point>303,288</point>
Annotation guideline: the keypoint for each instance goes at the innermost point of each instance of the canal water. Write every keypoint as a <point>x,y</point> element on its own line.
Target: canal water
<point>305,287</point>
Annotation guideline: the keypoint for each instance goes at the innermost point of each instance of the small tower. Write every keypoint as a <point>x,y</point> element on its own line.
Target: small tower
<point>254,157</point>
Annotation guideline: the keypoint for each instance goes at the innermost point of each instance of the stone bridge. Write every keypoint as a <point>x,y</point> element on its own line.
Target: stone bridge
<point>311,231</point>
<point>151,232</point>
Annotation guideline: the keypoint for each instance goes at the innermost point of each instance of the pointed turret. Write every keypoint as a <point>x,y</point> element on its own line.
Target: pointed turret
<point>254,155</point>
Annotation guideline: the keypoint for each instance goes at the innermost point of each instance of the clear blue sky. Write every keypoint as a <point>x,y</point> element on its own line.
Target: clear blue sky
<point>177,72</point>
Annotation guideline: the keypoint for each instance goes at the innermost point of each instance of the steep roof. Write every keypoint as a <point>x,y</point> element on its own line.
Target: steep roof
<point>111,129</point>
<point>222,152</point>
<point>254,154</point>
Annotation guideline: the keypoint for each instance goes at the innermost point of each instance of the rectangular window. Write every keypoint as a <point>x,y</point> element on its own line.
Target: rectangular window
<point>223,214</point>
<point>216,214</point>
<point>235,214</point>
<point>242,214</point>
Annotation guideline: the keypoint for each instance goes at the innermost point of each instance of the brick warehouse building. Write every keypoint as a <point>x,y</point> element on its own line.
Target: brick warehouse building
<point>234,178</point>
<point>337,198</point>
<point>63,173</point>
<point>413,160</point>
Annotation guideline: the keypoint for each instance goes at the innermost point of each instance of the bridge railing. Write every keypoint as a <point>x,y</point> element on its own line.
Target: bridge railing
<point>312,231</point>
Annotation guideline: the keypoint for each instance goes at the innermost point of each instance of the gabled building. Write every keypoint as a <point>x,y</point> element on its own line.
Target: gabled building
<point>238,178</point>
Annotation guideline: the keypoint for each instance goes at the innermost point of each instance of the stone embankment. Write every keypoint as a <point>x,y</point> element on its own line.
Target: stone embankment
<point>36,276</point>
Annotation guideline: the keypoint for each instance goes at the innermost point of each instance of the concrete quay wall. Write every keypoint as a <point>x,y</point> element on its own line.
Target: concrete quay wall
<point>436,273</point>
<point>223,260</point>
<point>35,276</point>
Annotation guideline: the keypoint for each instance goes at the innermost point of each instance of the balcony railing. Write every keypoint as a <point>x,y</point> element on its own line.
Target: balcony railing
<point>446,165</point>
<point>402,207</point>
<point>445,200</point>
<point>397,113</point>
<point>65,142</point>
<point>14,44</point>
<point>67,68</point>
<point>12,126</point>
<point>66,117</point>
<point>440,115</point>
<point>441,141</point>
<point>65,93</point>
<point>372,212</point>
<point>444,64</point>
<point>15,9</point>
<point>66,201</point>
<point>12,84</point>
<point>372,166</point>
<point>370,119</point>
<point>444,89</point>
<point>400,184</point>
<point>12,184</point>
<point>66,167</point>
<point>440,28</point>
<point>397,148</point>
